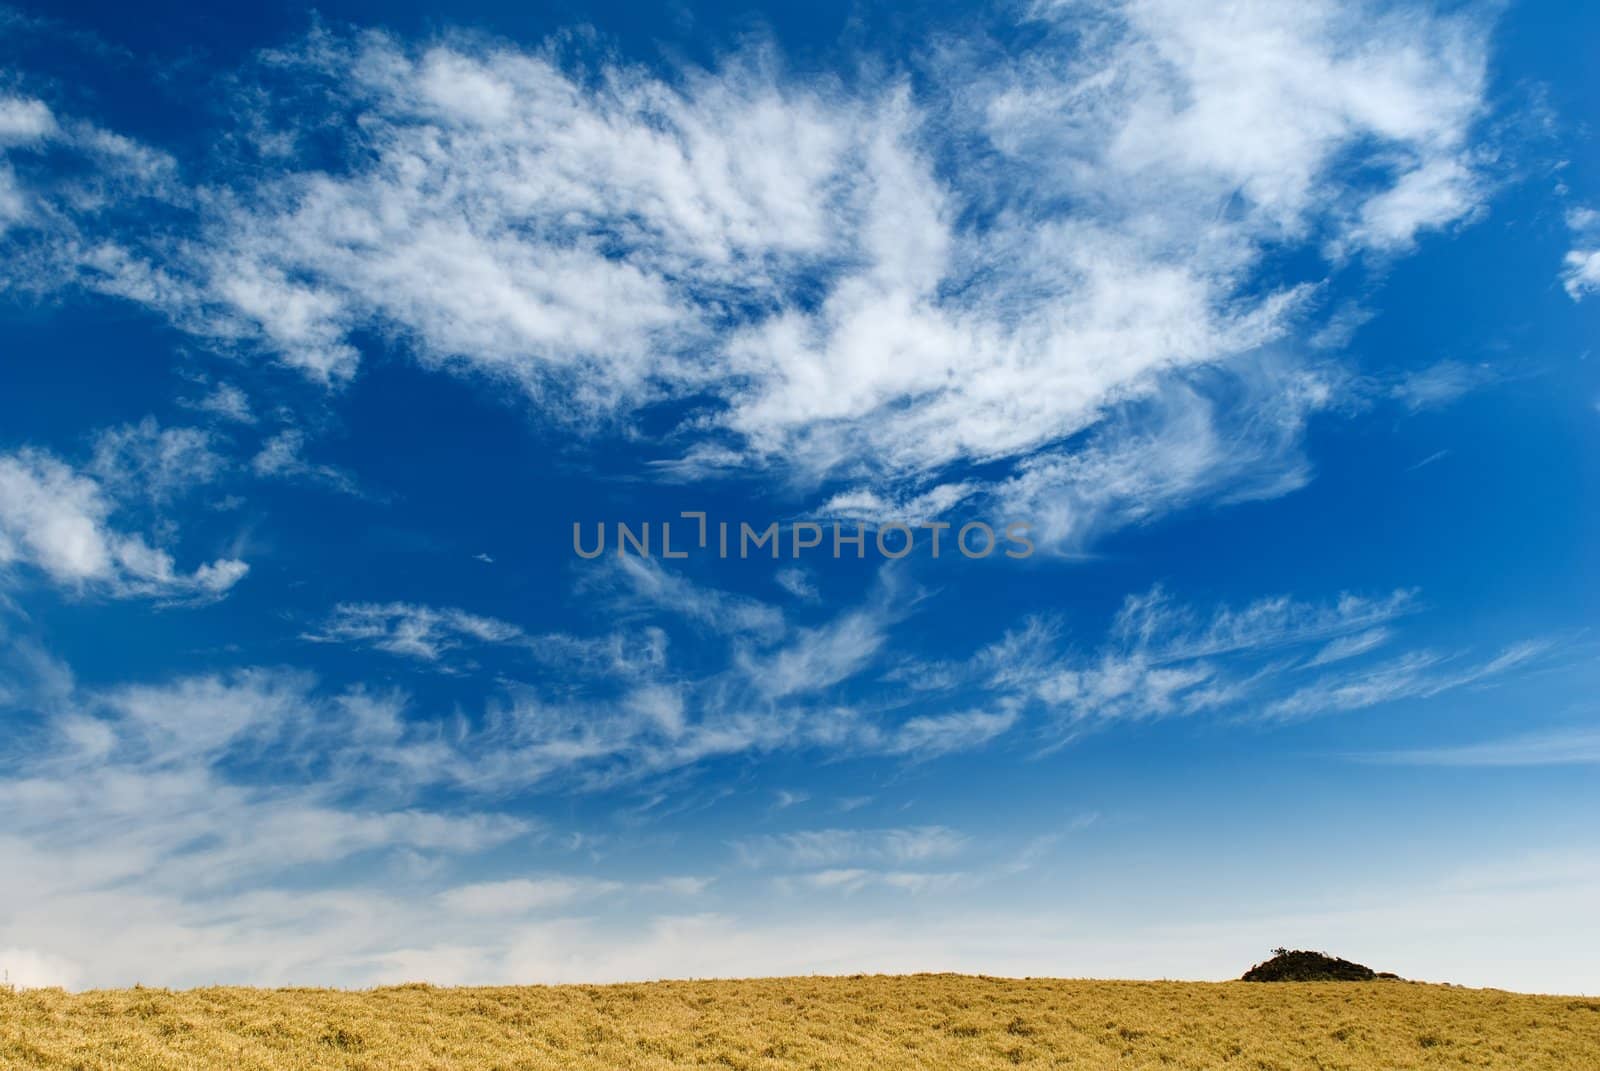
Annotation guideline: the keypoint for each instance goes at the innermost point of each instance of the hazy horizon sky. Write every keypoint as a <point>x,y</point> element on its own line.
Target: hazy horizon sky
<point>1272,324</point>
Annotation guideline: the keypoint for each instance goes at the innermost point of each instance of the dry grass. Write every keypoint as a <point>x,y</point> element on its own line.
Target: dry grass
<point>928,1021</point>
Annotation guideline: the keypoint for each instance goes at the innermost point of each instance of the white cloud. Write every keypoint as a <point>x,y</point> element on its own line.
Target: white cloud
<point>680,885</point>
<point>1580,274</point>
<point>45,207</point>
<point>836,848</point>
<point>157,463</point>
<point>1153,622</point>
<point>1440,384</point>
<point>1162,659</point>
<point>282,456</point>
<point>867,505</point>
<point>928,736</point>
<point>1435,193</point>
<point>256,824</point>
<point>134,807</point>
<point>57,521</point>
<point>645,582</point>
<point>790,256</point>
<point>226,402</point>
<point>24,121</point>
<point>1260,98</point>
<point>796,582</point>
<point>1417,675</point>
<point>814,659</point>
<point>623,715</point>
<point>144,825</point>
<point>659,705</point>
<point>853,879</point>
<point>412,630</point>
<point>1350,646</point>
<point>521,896</point>
<point>1230,439</point>
<point>620,714</point>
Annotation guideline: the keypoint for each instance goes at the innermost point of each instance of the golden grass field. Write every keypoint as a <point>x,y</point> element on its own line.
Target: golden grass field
<point>877,1022</point>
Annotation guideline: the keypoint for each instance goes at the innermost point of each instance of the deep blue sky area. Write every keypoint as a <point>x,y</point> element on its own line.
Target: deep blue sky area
<point>1273,326</point>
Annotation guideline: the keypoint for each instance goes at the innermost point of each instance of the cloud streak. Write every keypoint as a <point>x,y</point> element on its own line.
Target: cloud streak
<point>1565,747</point>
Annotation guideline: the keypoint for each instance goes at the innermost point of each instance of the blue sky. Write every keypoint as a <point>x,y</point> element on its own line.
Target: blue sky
<point>321,331</point>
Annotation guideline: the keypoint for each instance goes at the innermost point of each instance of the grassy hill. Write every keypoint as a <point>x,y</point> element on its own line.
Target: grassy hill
<point>876,1022</point>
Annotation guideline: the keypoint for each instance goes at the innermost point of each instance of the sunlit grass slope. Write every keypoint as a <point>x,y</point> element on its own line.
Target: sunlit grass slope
<point>926,1021</point>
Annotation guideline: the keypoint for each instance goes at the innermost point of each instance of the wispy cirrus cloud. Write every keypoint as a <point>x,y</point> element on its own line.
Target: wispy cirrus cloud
<point>1265,661</point>
<point>1441,383</point>
<point>834,848</point>
<point>445,637</point>
<point>1337,650</point>
<point>849,880</point>
<point>796,582</point>
<point>520,896</point>
<point>816,658</point>
<point>224,401</point>
<point>643,583</point>
<point>1418,675</point>
<point>1229,438</point>
<point>1173,632</point>
<point>283,456</point>
<point>412,630</point>
<point>932,735</point>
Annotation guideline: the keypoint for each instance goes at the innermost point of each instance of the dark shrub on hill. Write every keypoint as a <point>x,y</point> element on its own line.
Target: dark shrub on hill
<point>1287,966</point>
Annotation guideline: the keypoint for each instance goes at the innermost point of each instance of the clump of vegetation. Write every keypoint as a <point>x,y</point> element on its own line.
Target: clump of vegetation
<point>863,1023</point>
<point>1297,966</point>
